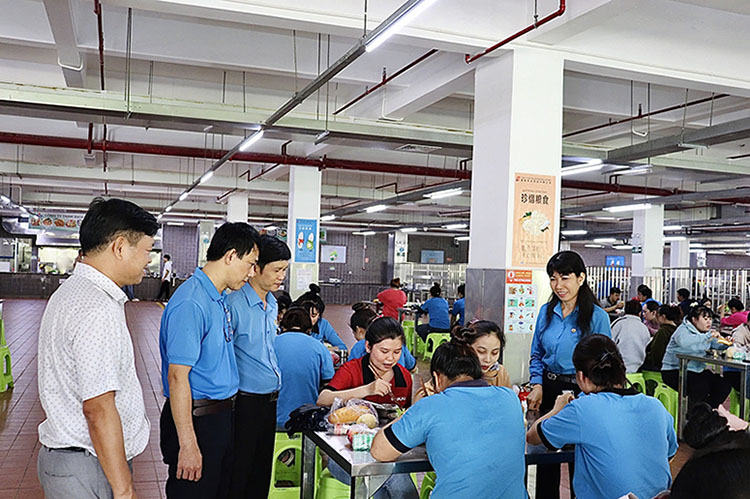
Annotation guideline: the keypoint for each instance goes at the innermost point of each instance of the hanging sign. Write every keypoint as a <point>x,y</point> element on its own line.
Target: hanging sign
<point>306,241</point>
<point>534,220</point>
<point>520,302</point>
<point>56,221</point>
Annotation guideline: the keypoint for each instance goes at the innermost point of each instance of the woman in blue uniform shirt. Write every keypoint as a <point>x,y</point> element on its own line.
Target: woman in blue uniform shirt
<point>322,329</point>
<point>570,315</point>
<point>438,310</point>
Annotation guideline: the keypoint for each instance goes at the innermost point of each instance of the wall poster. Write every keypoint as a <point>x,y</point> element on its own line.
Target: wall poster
<point>520,302</point>
<point>533,220</point>
<point>332,254</point>
<point>305,242</point>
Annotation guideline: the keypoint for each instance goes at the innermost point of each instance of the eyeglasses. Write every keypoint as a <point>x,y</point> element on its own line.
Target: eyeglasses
<point>227,326</point>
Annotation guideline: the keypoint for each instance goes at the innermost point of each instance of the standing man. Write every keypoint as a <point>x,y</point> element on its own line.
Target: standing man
<point>166,278</point>
<point>254,312</point>
<point>96,419</point>
<point>198,369</point>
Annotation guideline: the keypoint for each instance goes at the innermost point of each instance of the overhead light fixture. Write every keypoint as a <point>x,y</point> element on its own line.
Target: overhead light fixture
<point>376,208</point>
<point>605,218</point>
<point>176,224</point>
<point>672,227</point>
<point>271,227</point>
<point>5,199</point>
<point>589,166</point>
<point>622,246</point>
<point>158,218</point>
<point>462,238</point>
<point>574,232</point>
<point>455,226</point>
<point>593,246</point>
<point>327,218</point>
<point>364,233</point>
<point>689,145</point>
<point>605,240</point>
<point>716,252</point>
<point>697,251</point>
<point>675,238</point>
<point>409,229</point>
<point>697,245</point>
<point>23,209</point>
<point>573,215</point>
<point>628,207</point>
<point>444,194</point>
<point>322,137</point>
<point>168,209</point>
<point>251,140</point>
<point>183,196</point>
<point>406,17</point>
<point>206,176</point>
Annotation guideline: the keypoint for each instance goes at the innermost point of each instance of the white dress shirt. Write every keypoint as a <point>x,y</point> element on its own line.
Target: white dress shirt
<point>85,350</point>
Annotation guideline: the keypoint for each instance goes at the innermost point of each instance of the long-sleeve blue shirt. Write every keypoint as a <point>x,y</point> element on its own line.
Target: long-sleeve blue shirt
<point>553,343</point>
<point>407,359</point>
<point>326,333</point>
<point>688,340</point>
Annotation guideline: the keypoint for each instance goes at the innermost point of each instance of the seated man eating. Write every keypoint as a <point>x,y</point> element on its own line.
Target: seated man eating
<point>473,455</point>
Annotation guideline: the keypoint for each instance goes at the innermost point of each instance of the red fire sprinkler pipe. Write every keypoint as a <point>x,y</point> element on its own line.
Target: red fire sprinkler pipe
<point>531,27</point>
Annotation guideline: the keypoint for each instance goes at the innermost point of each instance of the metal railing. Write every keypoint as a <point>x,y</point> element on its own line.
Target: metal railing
<point>602,279</point>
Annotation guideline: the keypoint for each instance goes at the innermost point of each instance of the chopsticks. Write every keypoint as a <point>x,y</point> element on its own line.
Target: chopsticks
<point>390,390</point>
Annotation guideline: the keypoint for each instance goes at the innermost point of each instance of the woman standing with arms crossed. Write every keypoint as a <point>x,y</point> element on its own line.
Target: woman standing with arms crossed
<point>570,315</point>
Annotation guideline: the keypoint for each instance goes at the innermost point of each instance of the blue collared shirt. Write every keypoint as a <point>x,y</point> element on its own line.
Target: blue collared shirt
<point>194,332</point>
<point>326,333</point>
<point>254,335</point>
<point>553,343</point>
<point>439,311</point>
<point>359,350</point>
<point>688,340</point>
<point>459,310</point>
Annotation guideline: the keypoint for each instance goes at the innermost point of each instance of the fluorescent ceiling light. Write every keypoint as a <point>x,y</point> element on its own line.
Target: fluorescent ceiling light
<point>327,218</point>
<point>628,207</point>
<point>605,218</point>
<point>622,246</point>
<point>183,196</point>
<point>409,229</point>
<point>590,166</point>
<point>463,238</point>
<point>23,209</point>
<point>5,199</point>
<point>206,176</point>
<point>271,227</point>
<point>376,208</point>
<point>690,145</point>
<point>716,252</point>
<point>697,251</point>
<point>364,233</point>
<point>397,25</point>
<point>672,227</point>
<point>574,232</point>
<point>573,215</point>
<point>168,209</point>
<point>697,245</point>
<point>251,140</point>
<point>176,224</point>
<point>444,194</point>
<point>455,226</point>
<point>593,245</point>
<point>675,238</point>
<point>605,240</point>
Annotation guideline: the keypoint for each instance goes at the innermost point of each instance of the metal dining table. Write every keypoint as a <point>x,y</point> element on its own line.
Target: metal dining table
<point>743,367</point>
<point>367,474</point>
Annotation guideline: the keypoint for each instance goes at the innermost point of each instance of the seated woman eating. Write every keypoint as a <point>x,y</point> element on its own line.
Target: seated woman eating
<point>487,341</point>
<point>377,377</point>
<point>359,321</point>
<point>623,439</point>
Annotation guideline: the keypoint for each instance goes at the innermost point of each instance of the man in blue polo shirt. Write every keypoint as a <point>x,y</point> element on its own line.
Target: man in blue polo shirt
<point>474,432</point>
<point>254,313</point>
<point>199,372</point>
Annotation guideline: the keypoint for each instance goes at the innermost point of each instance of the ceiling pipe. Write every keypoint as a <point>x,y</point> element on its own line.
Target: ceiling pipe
<point>560,11</point>
<point>386,80</point>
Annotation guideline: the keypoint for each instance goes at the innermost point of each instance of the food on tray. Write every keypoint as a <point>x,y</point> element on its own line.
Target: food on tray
<point>348,414</point>
<point>724,341</point>
<point>369,419</point>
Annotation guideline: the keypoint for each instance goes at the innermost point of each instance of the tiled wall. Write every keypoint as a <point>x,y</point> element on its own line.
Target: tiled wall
<point>181,243</point>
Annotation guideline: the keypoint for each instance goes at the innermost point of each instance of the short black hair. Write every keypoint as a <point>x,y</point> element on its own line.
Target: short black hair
<point>237,236</point>
<point>455,359</point>
<point>461,289</point>
<point>272,249</point>
<point>671,312</point>
<point>736,304</point>
<point>108,219</point>
<point>684,293</point>
<point>615,290</point>
<point>645,291</point>
<point>167,257</point>
<point>296,319</point>
<point>633,307</point>
<point>283,299</point>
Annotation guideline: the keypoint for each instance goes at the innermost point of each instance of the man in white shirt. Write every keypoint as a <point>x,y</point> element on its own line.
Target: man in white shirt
<point>631,336</point>
<point>96,419</point>
<point>166,280</point>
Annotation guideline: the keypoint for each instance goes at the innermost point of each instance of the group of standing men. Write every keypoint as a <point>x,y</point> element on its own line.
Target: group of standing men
<point>219,370</point>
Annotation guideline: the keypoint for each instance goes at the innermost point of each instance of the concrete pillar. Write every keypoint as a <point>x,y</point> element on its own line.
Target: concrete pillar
<point>237,207</point>
<point>303,227</point>
<point>517,143</point>
<point>648,248</point>
<point>679,254</point>
<point>206,231</point>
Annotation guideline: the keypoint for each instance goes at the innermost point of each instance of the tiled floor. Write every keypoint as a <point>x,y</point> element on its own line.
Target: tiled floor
<point>21,411</point>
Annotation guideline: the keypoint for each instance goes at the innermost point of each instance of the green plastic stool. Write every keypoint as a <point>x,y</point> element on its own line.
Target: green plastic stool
<point>408,323</point>
<point>734,404</point>
<point>6,374</point>
<point>636,379</point>
<point>669,399</point>
<point>434,340</point>
<point>330,488</point>
<point>428,483</point>
<point>652,379</point>
<point>409,335</point>
<point>283,472</point>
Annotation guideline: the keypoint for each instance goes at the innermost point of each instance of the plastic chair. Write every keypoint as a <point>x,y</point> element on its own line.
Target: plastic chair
<point>409,335</point>
<point>428,483</point>
<point>282,472</point>
<point>6,374</point>
<point>652,379</point>
<point>636,379</point>
<point>330,488</point>
<point>434,340</point>
<point>734,404</point>
<point>669,399</point>
<point>408,323</point>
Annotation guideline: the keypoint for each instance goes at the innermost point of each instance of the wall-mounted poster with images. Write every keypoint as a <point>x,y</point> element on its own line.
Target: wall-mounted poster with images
<point>534,220</point>
<point>306,240</point>
<point>332,254</point>
<point>56,221</point>
<point>520,302</point>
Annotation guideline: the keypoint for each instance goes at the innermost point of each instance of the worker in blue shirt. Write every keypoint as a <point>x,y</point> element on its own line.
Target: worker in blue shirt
<point>645,295</point>
<point>439,314</point>
<point>361,318</point>
<point>322,329</point>
<point>474,456</point>
<point>458,314</point>
<point>624,439</point>
<point>254,315</point>
<point>570,314</point>
<point>306,365</point>
<point>198,368</point>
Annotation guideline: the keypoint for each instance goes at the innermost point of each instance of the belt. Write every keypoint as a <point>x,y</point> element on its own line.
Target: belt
<point>270,397</point>
<point>66,449</point>
<point>204,407</point>
<point>565,378</point>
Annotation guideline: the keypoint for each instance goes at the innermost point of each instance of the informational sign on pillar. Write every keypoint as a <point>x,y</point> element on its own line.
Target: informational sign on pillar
<point>306,240</point>
<point>534,220</point>
<point>520,302</point>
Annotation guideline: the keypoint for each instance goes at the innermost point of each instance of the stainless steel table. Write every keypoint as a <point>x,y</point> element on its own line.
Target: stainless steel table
<point>368,474</point>
<point>743,367</point>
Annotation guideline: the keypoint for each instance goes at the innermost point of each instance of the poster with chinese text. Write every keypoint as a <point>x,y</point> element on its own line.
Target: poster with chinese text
<point>533,220</point>
<point>520,302</point>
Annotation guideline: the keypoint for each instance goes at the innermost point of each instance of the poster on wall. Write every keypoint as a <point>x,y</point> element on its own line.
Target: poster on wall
<point>306,240</point>
<point>614,261</point>
<point>520,302</point>
<point>332,254</point>
<point>533,220</point>
<point>55,221</point>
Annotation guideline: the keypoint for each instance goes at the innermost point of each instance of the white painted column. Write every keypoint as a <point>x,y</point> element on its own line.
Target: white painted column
<point>679,254</point>
<point>304,214</point>
<point>400,246</point>
<point>517,129</point>
<point>237,207</point>
<point>648,248</point>
<point>206,231</point>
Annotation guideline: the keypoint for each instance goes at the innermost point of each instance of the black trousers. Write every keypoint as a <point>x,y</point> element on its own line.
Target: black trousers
<point>164,291</point>
<point>705,386</point>
<point>254,440</point>
<point>424,329</point>
<point>548,475</point>
<point>214,433</point>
